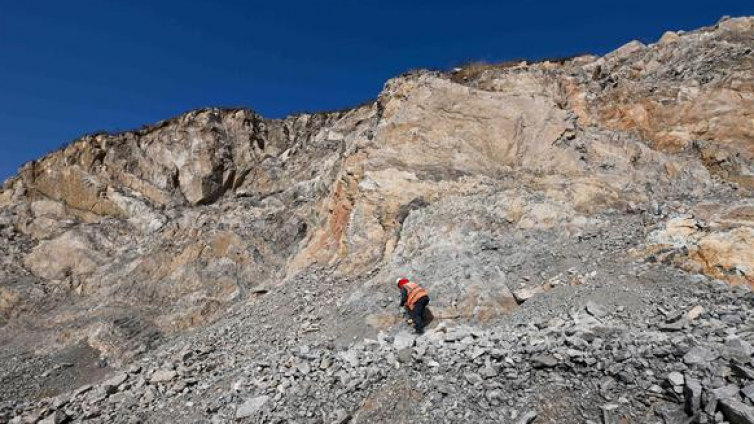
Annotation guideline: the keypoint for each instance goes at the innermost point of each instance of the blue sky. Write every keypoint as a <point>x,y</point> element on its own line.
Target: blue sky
<point>73,67</point>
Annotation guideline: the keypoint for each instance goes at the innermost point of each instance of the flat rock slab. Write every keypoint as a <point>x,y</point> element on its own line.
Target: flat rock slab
<point>699,355</point>
<point>736,412</point>
<point>522,295</point>
<point>116,380</point>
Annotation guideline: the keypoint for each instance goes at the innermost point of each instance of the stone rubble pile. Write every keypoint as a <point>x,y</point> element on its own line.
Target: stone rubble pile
<point>690,363</point>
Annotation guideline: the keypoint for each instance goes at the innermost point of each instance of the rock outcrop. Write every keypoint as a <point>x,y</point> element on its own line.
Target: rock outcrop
<point>508,191</point>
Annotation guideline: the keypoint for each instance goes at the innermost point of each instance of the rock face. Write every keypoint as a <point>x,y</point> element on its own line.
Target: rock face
<point>513,193</point>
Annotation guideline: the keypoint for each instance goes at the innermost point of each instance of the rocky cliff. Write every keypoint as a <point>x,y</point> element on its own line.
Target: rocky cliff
<point>261,253</point>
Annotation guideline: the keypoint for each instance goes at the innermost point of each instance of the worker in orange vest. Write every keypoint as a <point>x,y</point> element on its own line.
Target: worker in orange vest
<point>415,300</point>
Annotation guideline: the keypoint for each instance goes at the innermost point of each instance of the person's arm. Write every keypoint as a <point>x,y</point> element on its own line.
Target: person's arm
<point>404,296</point>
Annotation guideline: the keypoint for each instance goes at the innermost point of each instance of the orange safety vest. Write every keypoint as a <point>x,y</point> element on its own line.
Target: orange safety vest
<point>414,293</point>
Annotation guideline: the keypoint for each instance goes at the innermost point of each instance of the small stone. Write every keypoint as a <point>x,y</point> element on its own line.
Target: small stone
<point>238,386</point>
<point>596,310</point>
<point>404,355</point>
<point>522,295</point>
<point>162,376</point>
<point>342,417</point>
<point>304,368</point>
<point>527,418</point>
<point>116,380</point>
<point>403,340</point>
<point>473,378</point>
<point>743,371</point>
<point>57,417</point>
<point>675,378</point>
<point>149,396</point>
<point>351,356</point>
<point>695,312</point>
<point>748,392</point>
<point>676,325</point>
<point>609,412</point>
<point>251,407</point>
<point>543,361</point>
<point>489,371</point>
<point>655,389</point>
<point>82,389</point>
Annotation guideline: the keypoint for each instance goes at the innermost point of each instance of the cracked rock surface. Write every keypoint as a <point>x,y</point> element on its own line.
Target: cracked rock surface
<point>584,228</point>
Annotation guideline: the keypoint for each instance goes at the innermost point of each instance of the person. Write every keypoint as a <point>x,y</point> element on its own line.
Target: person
<point>415,299</point>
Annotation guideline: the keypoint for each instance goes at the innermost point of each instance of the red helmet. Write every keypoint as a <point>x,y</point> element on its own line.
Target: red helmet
<point>402,281</point>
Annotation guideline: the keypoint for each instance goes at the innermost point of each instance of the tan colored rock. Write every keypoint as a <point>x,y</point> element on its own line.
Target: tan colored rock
<point>626,50</point>
<point>721,251</point>
<point>71,254</point>
<point>727,251</point>
<point>695,312</point>
<point>49,209</point>
<point>8,301</point>
<point>669,37</point>
<point>522,295</point>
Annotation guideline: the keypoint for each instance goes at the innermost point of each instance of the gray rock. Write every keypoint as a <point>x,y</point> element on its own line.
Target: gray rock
<point>675,378</point>
<point>695,312</point>
<point>342,417</point>
<point>351,357</point>
<point>251,407</point>
<point>676,325</point>
<point>522,295</point>
<point>403,340</point>
<point>736,412</point>
<point>527,418</point>
<point>610,413</point>
<point>163,376</point>
<point>116,380</point>
<point>692,393</point>
<point>699,355</point>
<point>457,333</point>
<point>596,310</point>
<point>489,370</point>
<point>739,347</point>
<point>57,417</point>
<point>83,389</point>
<point>743,371</point>
<point>730,391</point>
<point>404,355</point>
<point>543,361</point>
<point>304,368</point>
<point>748,392</point>
<point>473,378</point>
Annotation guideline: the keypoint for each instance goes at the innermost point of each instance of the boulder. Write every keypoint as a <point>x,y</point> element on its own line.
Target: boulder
<point>736,412</point>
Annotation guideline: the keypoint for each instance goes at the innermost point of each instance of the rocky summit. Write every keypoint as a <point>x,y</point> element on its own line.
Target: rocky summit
<point>584,228</point>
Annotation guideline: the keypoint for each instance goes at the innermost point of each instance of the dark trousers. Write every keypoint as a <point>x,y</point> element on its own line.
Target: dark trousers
<point>417,314</point>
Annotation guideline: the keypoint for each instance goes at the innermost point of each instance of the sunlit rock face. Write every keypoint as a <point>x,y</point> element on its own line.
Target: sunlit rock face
<point>179,222</point>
